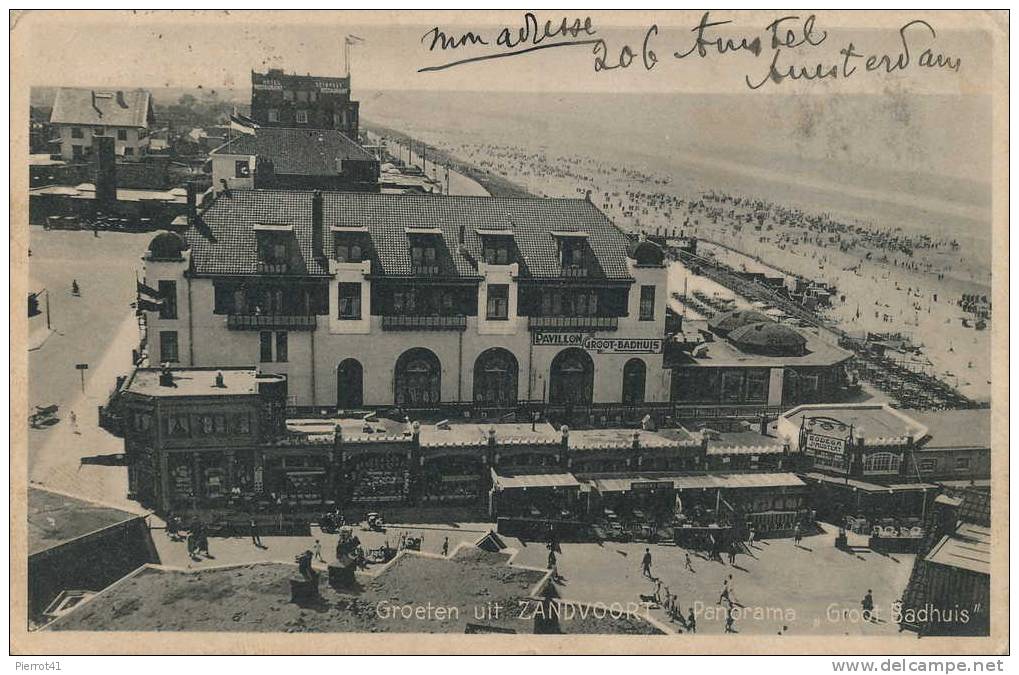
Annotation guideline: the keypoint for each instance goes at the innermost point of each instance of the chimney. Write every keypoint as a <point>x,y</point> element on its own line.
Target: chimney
<point>120,99</point>
<point>106,170</point>
<point>192,191</point>
<point>491,435</point>
<point>317,249</point>
<point>226,187</point>
<point>94,106</point>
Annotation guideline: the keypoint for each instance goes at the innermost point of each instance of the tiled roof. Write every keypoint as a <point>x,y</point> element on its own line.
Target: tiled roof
<point>101,107</point>
<point>225,241</point>
<point>299,152</point>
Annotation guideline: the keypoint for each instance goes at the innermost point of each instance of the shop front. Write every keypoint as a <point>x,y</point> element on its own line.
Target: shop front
<point>453,479</point>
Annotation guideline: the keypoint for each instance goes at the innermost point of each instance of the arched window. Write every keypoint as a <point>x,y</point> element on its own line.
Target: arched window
<point>882,462</point>
<point>634,375</point>
<point>571,377</point>
<point>349,384</point>
<point>495,377</point>
<point>418,378</point>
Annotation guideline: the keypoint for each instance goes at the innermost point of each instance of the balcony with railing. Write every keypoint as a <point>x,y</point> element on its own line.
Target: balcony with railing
<point>271,321</point>
<point>271,267</point>
<point>407,322</point>
<point>573,271</point>
<point>425,270</point>
<point>573,323</point>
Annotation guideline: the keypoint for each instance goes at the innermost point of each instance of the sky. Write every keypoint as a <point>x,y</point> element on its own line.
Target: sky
<point>218,50</point>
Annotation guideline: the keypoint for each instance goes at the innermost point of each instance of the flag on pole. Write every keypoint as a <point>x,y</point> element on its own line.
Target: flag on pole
<point>242,124</point>
<point>149,299</point>
<point>354,40</point>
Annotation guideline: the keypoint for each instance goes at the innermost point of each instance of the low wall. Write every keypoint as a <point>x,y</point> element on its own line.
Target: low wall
<point>91,562</point>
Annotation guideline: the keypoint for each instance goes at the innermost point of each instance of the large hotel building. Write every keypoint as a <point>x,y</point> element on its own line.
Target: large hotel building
<point>367,300</point>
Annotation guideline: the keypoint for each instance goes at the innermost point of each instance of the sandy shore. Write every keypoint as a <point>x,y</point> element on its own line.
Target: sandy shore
<point>896,277</point>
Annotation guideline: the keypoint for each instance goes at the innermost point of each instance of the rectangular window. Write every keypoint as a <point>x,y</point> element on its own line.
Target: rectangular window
<point>76,132</point>
<point>281,347</point>
<point>350,300</point>
<point>168,346</point>
<point>961,463</point>
<point>349,253</point>
<point>647,303</point>
<point>274,115</point>
<point>241,169</point>
<point>121,134</point>
<point>498,302</point>
<point>757,385</point>
<point>302,116</point>
<point>128,152</point>
<point>927,465</point>
<point>168,293</point>
<point>98,131</point>
<point>265,347</point>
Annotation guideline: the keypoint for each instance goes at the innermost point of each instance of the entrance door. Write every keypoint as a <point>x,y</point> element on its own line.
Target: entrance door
<point>349,384</point>
<point>634,374</point>
<point>571,378</point>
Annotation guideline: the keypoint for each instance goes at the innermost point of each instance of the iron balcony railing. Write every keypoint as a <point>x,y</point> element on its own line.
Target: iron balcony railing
<point>573,271</point>
<point>412,323</point>
<point>270,321</point>
<point>573,323</point>
<point>263,267</point>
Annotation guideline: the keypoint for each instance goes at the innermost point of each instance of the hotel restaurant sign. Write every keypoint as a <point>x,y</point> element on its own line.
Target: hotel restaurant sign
<point>598,345</point>
<point>322,86</point>
<point>825,435</point>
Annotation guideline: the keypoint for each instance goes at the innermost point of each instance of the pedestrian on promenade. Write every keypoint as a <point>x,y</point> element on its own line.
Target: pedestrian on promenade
<point>691,622</point>
<point>74,424</point>
<point>689,564</point>
<point>75,289</point>
<point>316,551</point>
<point>645,564</point>
<point>732,591</point>
<point>750,539</point>
<point>725,594</point>
<point>868,606</point>
<point>256,539</point>
<point>797,535</point>
<point>730,622</point>
<point>445,547</point>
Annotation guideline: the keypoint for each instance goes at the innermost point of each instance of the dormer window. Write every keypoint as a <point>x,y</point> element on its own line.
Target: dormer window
<point>497,246</point>
<point>572,253</point>
<point>273,247</point>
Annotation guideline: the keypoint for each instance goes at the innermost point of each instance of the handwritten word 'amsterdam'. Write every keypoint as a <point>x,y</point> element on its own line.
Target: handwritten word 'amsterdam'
<point>782,42</point>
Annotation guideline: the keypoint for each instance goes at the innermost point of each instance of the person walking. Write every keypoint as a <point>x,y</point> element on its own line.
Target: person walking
<point>868,606</point>
<point>797,535</point>
<point>74,424</point>
<point>750,539</point>
<point>732,591</point>
<point>689,564</point>
<point>445,547</point>
<point>256,539</point>
<point>316,551</point>
<point>725,594</point>
<point>645,564</point>
<point>691,621</point>
<point>730,621</point>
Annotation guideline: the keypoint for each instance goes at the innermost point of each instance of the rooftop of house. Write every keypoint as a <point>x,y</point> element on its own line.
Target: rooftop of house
<point>968,548</point>
<point>722,352</point>
<point>102,107</point>
<point>225,241</point>
<point>54,519</point>
<point>195,382</point>
<point>256,598</point>
<point>298,152</point>
<point>955,428</point>
<point>869,421</point>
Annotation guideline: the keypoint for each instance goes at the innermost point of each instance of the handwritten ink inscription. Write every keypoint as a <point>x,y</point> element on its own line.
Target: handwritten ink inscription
<point>781,43</point>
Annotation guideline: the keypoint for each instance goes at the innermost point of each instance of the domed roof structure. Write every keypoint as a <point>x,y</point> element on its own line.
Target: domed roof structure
<point>770,338</point>
<point>167,246</point>
<point>725,323</point>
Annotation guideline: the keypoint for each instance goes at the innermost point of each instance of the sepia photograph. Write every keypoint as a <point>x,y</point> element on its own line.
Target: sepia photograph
<point>583,331</point>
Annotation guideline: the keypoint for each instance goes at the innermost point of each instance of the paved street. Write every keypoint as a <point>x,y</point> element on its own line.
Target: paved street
<point>97,328</point>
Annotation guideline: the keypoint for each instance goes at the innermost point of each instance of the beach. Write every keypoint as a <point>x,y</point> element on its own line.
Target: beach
<point>899,226</point>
